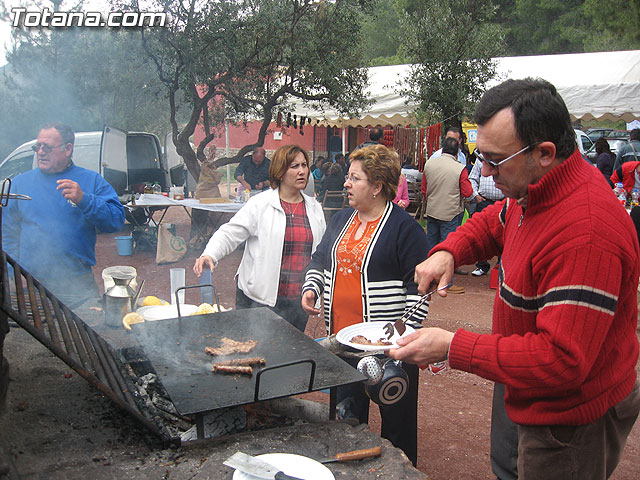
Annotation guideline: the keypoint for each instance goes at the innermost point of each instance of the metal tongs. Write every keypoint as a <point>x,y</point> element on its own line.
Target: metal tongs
<point>6,195</point>
<point>399,325</point>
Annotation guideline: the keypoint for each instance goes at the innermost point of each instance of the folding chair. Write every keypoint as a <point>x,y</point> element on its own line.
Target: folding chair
<point>333,201</point>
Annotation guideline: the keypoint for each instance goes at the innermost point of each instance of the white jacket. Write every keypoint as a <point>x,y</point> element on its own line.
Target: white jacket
<point>261,223</point>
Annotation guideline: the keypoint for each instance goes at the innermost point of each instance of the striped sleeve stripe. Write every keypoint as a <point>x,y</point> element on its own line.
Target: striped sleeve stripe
<point>581,295</point>
<point>503,212</point>
<point>387,286</point>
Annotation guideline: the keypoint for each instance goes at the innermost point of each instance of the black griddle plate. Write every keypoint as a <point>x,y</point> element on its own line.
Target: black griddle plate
<point>175,349</point>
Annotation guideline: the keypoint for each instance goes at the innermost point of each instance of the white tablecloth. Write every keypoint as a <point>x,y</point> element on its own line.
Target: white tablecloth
<point>152,200</point>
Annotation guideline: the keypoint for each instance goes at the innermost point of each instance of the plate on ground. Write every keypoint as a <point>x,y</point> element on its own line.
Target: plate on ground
<point>372,331</point>
<point>294,465</point>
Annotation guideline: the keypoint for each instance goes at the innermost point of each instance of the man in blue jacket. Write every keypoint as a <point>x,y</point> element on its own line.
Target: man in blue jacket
<point>53,236</point>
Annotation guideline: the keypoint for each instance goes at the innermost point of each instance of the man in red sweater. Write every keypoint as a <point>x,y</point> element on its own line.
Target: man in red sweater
<point>563,340</point>
<point>629,174</point>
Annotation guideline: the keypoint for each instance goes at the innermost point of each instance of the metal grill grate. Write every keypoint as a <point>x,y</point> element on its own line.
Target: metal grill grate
<point>27,302</point>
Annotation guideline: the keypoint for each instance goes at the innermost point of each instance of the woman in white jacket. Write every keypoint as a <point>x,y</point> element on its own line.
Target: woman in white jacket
<point>282,228</point>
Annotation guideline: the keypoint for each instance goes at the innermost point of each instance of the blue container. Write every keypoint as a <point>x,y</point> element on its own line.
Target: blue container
<point>124,245</point>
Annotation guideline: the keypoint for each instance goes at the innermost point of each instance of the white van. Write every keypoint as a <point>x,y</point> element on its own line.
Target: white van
<point>124,159</point>
<point>585,144</point>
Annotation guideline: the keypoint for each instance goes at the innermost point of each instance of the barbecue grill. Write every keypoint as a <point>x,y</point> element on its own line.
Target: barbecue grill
<point>174,349</point>
<point>294,362</point>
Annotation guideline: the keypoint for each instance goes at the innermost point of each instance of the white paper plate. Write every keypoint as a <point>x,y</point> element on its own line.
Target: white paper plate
<point>162,312</point>
<point>371,331</point>
<point>294,465</point>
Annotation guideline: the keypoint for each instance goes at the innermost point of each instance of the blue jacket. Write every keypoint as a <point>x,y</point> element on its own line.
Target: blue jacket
<point>48,235</point>
<point>397,246</point>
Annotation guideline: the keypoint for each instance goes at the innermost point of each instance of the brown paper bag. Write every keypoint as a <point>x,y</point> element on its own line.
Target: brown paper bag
<point>209,180</point>
<point>171,248</point>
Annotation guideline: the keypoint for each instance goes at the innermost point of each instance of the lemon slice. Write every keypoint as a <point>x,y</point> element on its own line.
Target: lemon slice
<point>205,308</point>
<point>131,318</point>
<point>152,300</point>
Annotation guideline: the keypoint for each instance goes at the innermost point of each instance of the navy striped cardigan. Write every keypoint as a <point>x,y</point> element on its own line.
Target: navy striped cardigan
<point>397,245</point>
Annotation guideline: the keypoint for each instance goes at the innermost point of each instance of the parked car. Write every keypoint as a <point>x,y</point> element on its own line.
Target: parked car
<point>583,141</point>
<point>596,133</point>
<point>614,145</point>
<point>125,159</point>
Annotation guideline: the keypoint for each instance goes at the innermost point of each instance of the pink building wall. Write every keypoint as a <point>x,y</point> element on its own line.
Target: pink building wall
<point>241,135</point>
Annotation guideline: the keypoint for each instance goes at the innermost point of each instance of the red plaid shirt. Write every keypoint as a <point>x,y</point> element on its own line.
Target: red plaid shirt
<point>296,251</point>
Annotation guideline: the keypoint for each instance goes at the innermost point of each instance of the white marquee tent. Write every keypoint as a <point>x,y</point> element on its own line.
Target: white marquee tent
<point>601,85</point>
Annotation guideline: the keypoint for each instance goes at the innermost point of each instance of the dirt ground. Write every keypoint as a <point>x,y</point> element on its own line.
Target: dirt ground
<point>454,407</point>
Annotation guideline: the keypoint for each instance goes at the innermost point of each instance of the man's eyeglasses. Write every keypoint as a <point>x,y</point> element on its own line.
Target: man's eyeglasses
<point>495,165</point>
<point>351,178</point>
<point>45,148</point>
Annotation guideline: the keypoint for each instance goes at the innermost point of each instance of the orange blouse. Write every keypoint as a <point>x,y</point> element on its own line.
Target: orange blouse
<point>347,291</point>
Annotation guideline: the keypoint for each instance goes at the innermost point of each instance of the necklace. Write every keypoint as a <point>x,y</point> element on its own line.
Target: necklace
<point>292,210</point>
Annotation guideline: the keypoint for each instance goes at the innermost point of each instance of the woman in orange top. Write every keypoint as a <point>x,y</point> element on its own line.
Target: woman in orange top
<point>363,269</point>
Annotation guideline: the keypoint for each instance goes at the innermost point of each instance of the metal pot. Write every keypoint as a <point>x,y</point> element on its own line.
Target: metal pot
<point>120,300</point>
<point>393,385</point>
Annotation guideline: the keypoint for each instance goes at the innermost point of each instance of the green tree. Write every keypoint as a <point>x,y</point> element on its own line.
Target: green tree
<point>451,43</point>
<point>550,26</point>
<point>381,34</point>
<point>615,25</point>
<point>244,59</point>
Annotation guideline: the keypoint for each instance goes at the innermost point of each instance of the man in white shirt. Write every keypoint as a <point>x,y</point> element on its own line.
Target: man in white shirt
<point>485,193</point>
<point>453,132</point>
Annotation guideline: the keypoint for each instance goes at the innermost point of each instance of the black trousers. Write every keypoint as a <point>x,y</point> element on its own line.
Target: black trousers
<point>289,309</point>
<point>399,421</point>
<point>504,438</point>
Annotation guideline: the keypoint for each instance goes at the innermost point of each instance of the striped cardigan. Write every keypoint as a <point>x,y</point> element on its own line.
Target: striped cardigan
<point>397,245</point>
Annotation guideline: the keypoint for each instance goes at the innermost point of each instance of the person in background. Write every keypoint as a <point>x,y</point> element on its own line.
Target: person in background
<point>563,338</point>
<point>282,228</point>
<point>457,135</point>
<point>317,164</point>
<point>333,182</point>
<point>605,158</point>
<point>410,171</point>
<point>342,161</point>
<point>253,171</point>
<point>376,135</point>
<point>53,235</point>
<point>465,151</point>
<point>629,152</point>
<point>446,184</point>
<point>363,269</point>
<point>402,196</point>
<point>628,174</point>
<point>485,193</point>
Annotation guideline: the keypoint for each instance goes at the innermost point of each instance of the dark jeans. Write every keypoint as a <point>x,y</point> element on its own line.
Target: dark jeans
<point>399,421</point>
<point>563,452</point>
<point>504,439</point>
<point>289,309</point>
<point>583,452</point>
<point>437,230</point>
<point>484,265</point>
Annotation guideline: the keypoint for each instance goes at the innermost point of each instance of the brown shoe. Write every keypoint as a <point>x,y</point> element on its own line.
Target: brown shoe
<point>455,289</point>
<point>457,271</point>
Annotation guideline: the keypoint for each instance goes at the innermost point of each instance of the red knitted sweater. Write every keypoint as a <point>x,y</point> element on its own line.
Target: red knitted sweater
<point>626,174</point>
<point>565,313</point>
